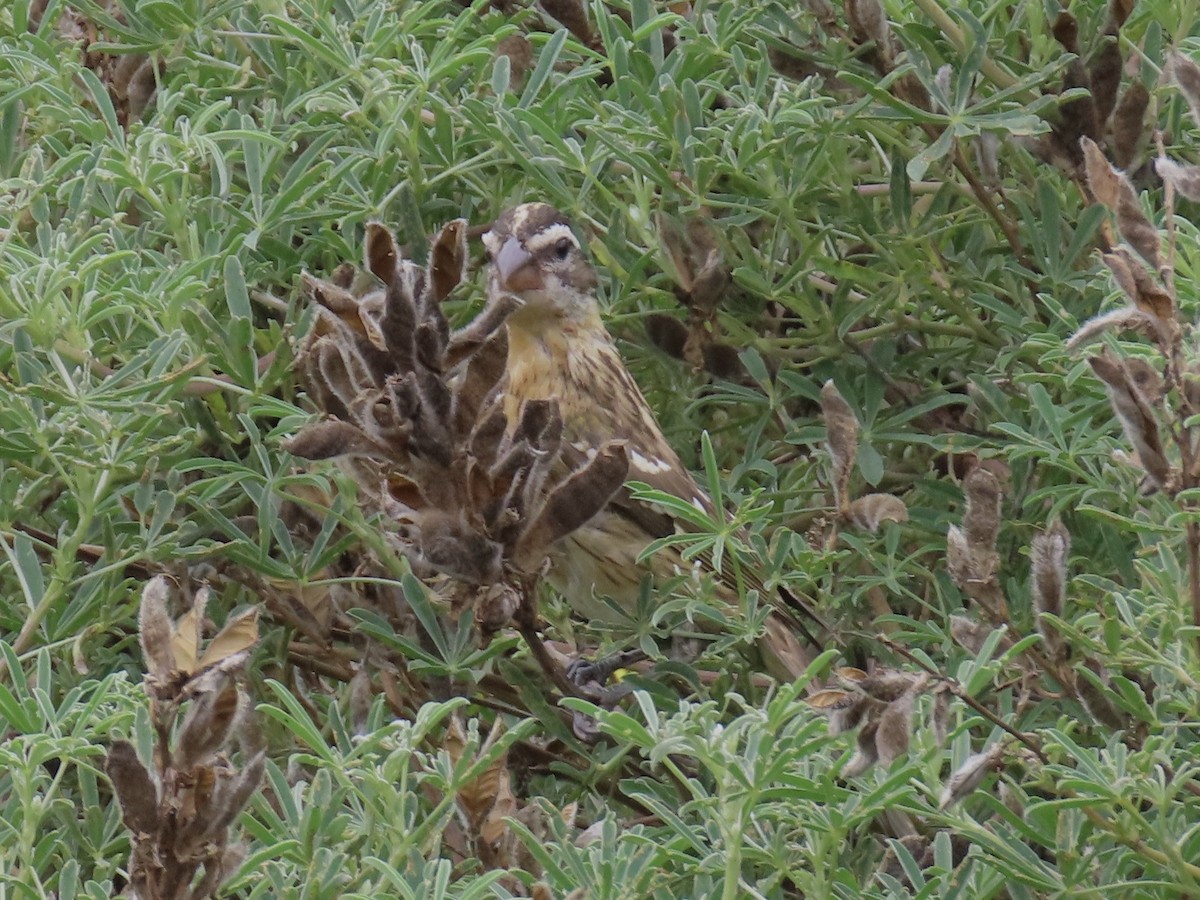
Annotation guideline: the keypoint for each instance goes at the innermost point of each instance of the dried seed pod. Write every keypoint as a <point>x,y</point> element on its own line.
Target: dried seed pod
<point>574,502</point>
<point>866,751</point>
<point>842,429</point>
<point>667,333</point>
<point>520,58</point>
<point>134,788</point>
<point>1048,553</point>
<point>868,20</point>
<point>331,438</point>
<point>895,725</point>
<point>969,634</point>
<point>1185,179</point>
<point>208,724</point>
<point>970,775</point>
<point>1104,75</point>
<point>1143,291</point>
<point>1125,318</point>
<point>1089,687</point>
<point>1114,190</point>
<point>981,519</point>
<point>1128,124</point>
<point>154,628</point>
<point>571,15</point>
<point>1186,75</point>
<point>870,511</point>
<point>447,264</point>
<point>1137,419</point>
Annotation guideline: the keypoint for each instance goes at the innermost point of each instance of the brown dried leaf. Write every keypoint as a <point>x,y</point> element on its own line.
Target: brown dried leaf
<point>832,700</point>
<point>1103,179</point>
<point>1128,123</point>
<point>481,794</point>
<point>134,788</point>
<point>970,775</point>
<point>185,638</point>
<point>842,439</point>
<point>870,511</point>
<point>154,628</point>
<point>240,633</point>
<point>1186,75</point>
<point>208,724</point>
<point>494,827</point>
<point>1185,179</point>
<point>573,503</point>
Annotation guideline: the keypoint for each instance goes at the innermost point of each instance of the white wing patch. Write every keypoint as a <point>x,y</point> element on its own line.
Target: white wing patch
<point>589,452</point>
<point>649,466</point>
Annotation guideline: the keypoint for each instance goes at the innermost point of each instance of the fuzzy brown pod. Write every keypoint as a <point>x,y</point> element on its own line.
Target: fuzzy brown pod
<point>1186,75</point>
<point>179,817</point>
<point>1128,124</point>
<point>1136,415</point>
<point>870,511</point>
<point>520,58</point>
<point>1048,554</point>
<point>1126,318</point>
<point>869,22</point>
<point>1143,291</point>
<point>841,426</point>
<point>1184,179</point>
<point>1112,188</point>
<point>981,519</point>
<point>970,775</point>
<point>1090,685</point>
<point>415,413</point>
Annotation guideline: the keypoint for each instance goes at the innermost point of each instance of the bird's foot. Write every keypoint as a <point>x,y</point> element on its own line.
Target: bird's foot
<point>595,673</point>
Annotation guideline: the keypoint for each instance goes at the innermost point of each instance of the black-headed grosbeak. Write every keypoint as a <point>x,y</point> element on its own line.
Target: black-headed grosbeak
<point>558,348</point>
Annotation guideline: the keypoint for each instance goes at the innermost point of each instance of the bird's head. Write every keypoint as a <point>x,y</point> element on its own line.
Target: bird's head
<point>534,255</point>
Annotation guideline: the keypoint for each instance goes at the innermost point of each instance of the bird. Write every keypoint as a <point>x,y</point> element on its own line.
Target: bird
<point>559,349</point>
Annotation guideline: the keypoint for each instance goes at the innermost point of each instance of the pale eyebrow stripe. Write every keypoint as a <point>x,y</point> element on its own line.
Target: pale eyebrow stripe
<point>550,236</point>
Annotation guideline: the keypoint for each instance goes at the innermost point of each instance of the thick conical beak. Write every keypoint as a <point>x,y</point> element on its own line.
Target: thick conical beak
<point>514,265</point>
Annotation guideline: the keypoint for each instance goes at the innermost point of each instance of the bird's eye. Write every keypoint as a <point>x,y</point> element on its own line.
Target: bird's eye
<point>562,248</point>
